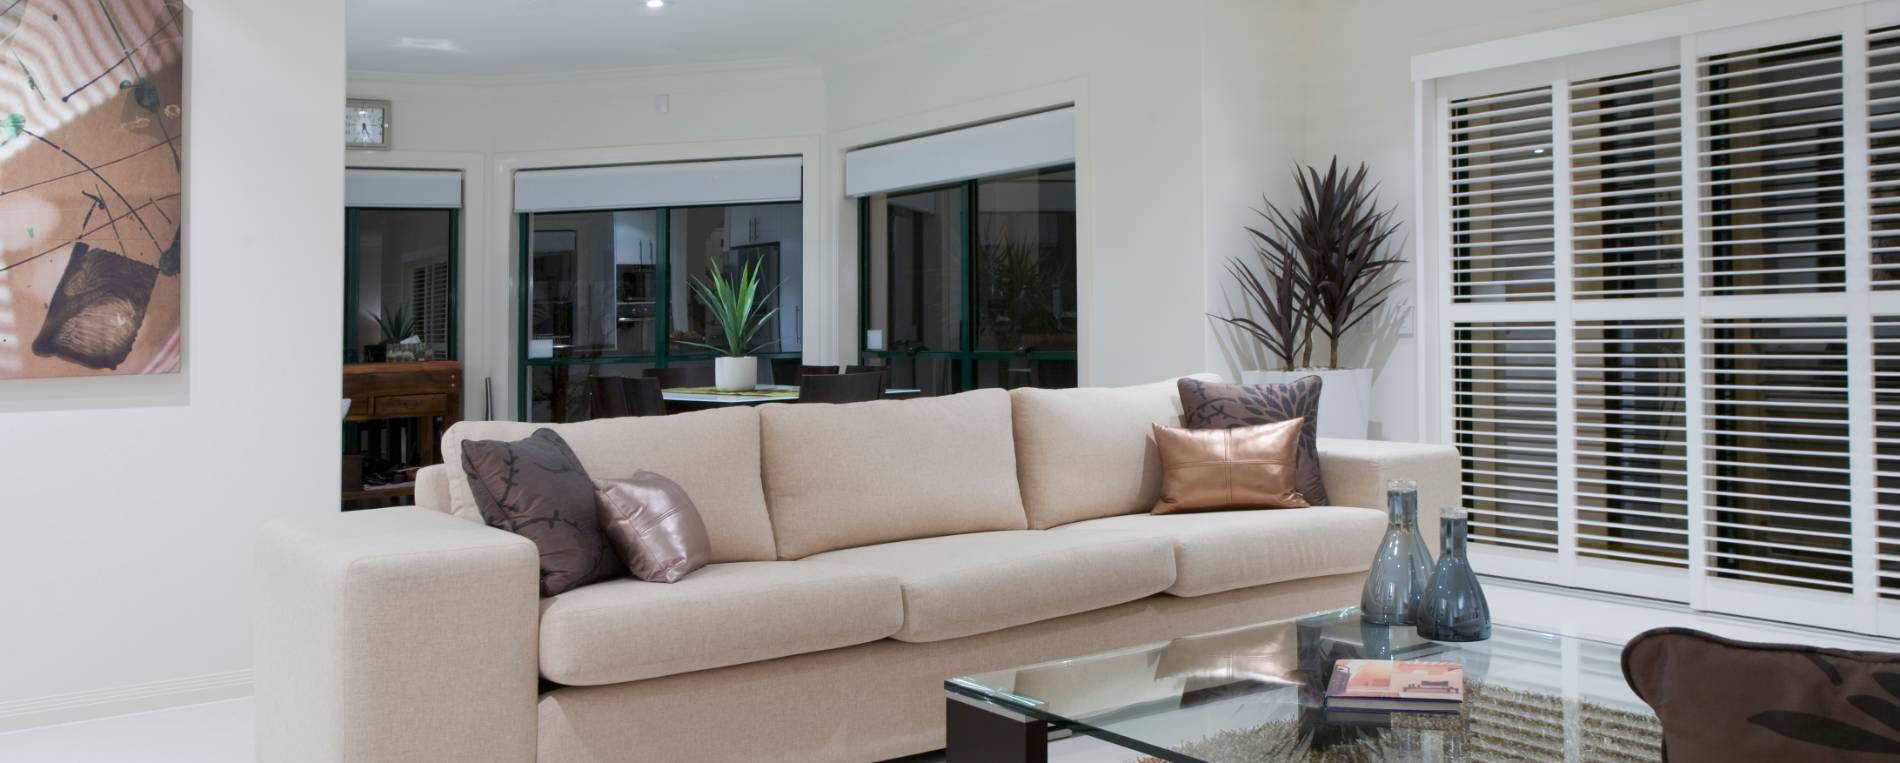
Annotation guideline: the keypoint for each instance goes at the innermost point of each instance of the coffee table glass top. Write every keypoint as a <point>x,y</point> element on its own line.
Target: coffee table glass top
<point>1258,694</point>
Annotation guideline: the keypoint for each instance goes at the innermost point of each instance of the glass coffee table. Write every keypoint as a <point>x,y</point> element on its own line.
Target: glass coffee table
<point>1258,694</point>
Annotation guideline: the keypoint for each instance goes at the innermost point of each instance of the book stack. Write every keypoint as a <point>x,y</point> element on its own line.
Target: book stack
<point>1369,691</point>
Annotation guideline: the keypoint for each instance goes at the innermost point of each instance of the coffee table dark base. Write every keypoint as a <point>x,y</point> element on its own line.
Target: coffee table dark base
<point>980,732</point>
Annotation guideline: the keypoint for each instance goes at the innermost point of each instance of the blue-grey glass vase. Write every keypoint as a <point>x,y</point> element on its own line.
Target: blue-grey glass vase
<point>1454,608</point>
<point>1402,567</point>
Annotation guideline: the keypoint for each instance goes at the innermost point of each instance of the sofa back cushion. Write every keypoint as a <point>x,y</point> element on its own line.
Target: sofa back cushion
<point>713,455</point>
<point>1090,453</point>
<point>840,476</point>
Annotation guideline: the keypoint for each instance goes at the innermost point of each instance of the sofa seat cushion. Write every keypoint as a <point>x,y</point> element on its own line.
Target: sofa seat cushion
<point>961,585</point>
<point>722,614</point>
<point>1237,549</point>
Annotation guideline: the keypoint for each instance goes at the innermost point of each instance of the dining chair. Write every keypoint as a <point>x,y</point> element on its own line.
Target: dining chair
<point>616,396</point>
<point>673,377</point>
<point>816,370</point>
<point>841,388</point>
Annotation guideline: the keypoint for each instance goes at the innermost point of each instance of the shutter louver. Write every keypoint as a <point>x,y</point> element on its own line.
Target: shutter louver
<point>1506,427</point>
<point>1777,451</point>
<point>1502,184</point>
<point>1771,139</point>
<point>1626,185</point>
<point>1883,159</point>
<point>1631,432</point>
<point>1886,364</point>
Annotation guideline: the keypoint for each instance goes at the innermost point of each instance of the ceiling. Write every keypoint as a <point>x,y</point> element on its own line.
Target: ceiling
<point>501,38</point>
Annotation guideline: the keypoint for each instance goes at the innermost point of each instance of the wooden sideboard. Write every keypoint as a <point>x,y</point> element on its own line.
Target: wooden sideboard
<point>429,392</point>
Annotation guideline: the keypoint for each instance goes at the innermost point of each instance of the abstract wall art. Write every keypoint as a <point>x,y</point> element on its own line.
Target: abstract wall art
<point>91,187</point>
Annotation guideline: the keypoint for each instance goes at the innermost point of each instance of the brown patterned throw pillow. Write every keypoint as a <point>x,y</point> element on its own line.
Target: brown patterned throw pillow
<point>1212,405</point>
<point>1724,700</point>
<point>537,489</point>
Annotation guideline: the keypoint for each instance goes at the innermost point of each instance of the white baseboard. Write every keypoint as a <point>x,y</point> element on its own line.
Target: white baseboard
<point>121,700</point>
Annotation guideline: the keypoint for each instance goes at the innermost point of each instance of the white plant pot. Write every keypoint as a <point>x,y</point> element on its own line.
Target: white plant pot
<point>1345,398</point>
<point>736,374</point>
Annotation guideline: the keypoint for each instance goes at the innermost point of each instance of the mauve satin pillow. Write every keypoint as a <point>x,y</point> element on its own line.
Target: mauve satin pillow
<point>653,526</point>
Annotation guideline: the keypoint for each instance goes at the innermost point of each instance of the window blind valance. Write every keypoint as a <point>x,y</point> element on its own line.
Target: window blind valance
<point>405,189</point>
<point>1044,139</point>
<point>671,184</point>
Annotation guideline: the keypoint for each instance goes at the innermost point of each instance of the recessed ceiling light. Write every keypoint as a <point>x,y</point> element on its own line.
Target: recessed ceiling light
<point>655,3</point>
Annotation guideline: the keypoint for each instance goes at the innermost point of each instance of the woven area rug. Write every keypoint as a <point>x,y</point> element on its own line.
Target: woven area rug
<point>1496,724</point>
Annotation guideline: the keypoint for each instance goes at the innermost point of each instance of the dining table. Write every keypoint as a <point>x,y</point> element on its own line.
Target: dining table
<point>698,398</point>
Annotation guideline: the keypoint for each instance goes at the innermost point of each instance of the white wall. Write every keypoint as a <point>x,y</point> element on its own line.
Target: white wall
<point>1358,105</point>
<point>132,502</point>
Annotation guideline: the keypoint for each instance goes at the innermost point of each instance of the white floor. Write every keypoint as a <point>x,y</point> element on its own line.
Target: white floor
<point>221,732</point>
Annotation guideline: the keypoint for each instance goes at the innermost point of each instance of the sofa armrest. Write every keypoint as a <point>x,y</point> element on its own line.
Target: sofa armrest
<point>432,488</point>
<point>1356,472</point>
<point>395,634</point>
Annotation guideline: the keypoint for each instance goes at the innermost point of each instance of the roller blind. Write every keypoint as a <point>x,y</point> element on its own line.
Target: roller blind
<point>1667,293</point>
<point>1045,139</point>
<point>672,184</point>
<point>409,189</point>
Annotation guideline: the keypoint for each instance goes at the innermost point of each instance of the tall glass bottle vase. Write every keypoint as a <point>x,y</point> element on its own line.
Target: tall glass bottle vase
<point>1403,565</point>
<point>1454,608</point>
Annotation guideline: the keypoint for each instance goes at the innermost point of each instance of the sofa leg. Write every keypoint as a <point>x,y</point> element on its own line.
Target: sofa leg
<point>980,732</point>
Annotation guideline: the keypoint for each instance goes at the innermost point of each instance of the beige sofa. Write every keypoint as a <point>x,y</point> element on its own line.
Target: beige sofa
<point>862,554</point>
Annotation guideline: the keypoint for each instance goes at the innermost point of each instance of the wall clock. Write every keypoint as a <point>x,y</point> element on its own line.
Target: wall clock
<point>366,124</point>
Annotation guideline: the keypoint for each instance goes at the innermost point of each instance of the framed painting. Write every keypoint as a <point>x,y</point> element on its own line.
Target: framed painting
<point>92,120</point>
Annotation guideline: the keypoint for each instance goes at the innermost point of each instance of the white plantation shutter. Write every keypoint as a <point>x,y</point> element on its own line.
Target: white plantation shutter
<point>1506,428</point>
<point>1504,222</point>
<point>1773,219</point>
<point>1668,291</point>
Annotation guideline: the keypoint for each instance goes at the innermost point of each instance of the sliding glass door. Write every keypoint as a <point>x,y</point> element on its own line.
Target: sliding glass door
<point>608,293</point>
<point>971,285</point>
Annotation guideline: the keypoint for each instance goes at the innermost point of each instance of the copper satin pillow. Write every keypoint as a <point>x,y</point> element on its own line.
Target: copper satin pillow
<point>1212,405</point>
<point>653,526</point>
<point>1249,467</point>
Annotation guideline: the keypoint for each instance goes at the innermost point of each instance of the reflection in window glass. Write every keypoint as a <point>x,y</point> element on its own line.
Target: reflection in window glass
<point>1025,264</point>
<point>566,392</point>
<point>917,270</point>
<point>403,263</point>
<point>770,236</point>
<point>592,282</point>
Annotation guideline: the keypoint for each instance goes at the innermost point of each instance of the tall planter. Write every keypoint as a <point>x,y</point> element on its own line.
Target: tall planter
<point>1345,398</point>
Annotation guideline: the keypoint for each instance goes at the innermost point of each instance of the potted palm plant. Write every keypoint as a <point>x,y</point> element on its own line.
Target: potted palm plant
<point>1321,273</point>
<point>738,306</point>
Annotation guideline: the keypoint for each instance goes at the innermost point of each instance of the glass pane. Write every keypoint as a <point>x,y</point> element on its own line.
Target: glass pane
<point>402,266</point>
<point>916,271</point>
<point>770,234</point>
<point>1025,264</point>
<point>592,280</point>
<point>1024,372</point>
<point>565,393</point>
<point>933,375</point>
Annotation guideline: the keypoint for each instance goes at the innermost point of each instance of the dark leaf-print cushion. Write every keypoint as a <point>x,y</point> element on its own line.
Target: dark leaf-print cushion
<point>1720,699</point>
<point>1212,405</point>
<point>537,489</point>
